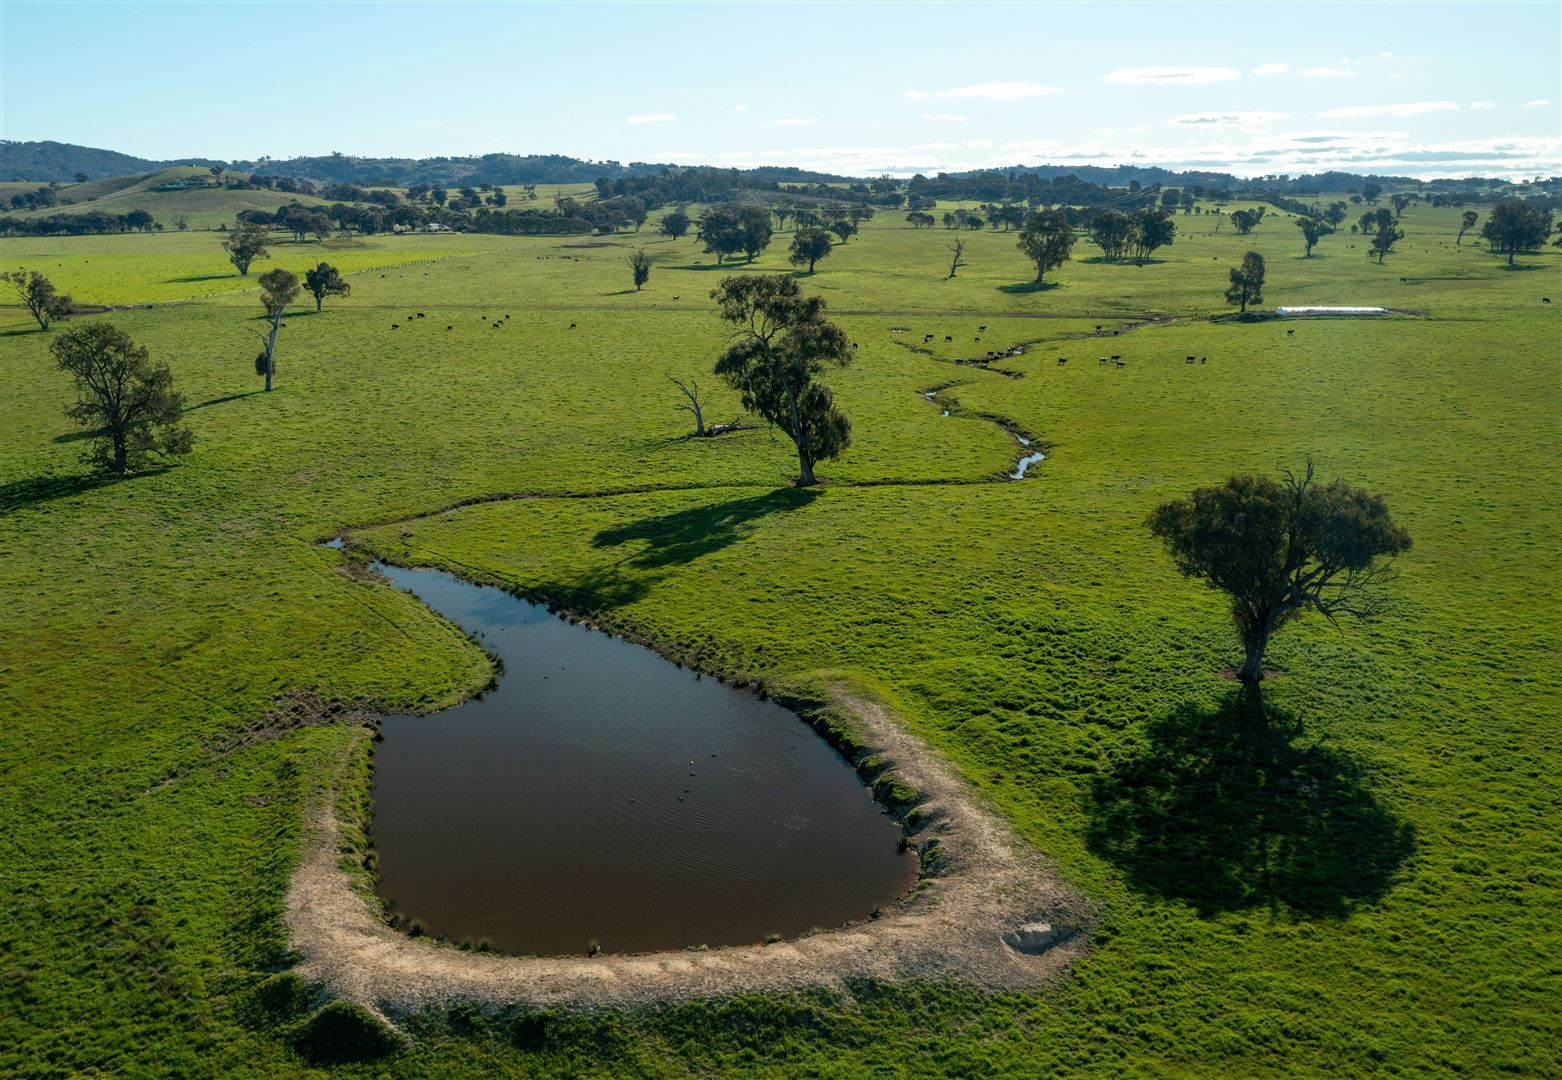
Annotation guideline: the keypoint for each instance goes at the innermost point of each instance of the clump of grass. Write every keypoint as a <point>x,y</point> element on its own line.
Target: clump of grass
<point>342,1032</point>
<point>416,928</point>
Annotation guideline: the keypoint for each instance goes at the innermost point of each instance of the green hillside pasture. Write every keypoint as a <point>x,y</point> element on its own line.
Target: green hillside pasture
<point>202,208</point>
<point>1363,885</point>
<point>121,270</point>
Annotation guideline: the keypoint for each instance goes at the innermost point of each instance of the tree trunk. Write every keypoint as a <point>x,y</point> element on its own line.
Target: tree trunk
<point>805,465</point>
<point>271,349</point>
<point>1252,670</point>
<point>318,301</point>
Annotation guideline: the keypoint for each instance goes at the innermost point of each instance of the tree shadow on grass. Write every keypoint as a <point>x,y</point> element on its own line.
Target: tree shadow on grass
<point>1025,288</point>
<point>222,400</point>
<point>20,494</point>
<point>1226,810</point>
<point>685,535</point>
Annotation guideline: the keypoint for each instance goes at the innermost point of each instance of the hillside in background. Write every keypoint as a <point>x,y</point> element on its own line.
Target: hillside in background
<point>46,161</point>
<point>63,161</point>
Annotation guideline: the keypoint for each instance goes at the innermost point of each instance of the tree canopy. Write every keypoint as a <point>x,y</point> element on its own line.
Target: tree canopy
<point>1247,282</point>
<point>1047,239</point>
<point>245,243</point>
<point>1279,548</point>
<point>38,296</point>
<point>808,247</point>
<point>783,342</point>
<point>1515,225</point>
<point>127,402</point>
<point>322,281</point>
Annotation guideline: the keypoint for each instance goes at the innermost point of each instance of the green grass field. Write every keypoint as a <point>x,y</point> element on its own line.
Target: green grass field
<point>1369,886</point>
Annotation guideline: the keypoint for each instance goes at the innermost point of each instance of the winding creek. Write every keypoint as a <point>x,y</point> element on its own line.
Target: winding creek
<point>600,795</point>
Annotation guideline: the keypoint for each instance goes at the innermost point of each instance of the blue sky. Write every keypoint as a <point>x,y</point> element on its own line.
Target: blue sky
<point>1423,89</point>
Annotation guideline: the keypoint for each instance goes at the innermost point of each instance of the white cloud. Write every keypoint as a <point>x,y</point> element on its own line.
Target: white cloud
<point>1325,73</point>
<point>1385,55</point>
<point>1271,69</point>
<point>1483,104</point>
<point>738,108</point>
<point>1221,149</point>
<point>651,118</point>
<point>1225,119</point>
<point>995,91</point>
<point>952,118</point>
<point>1536,103</point>
<point>1353,112</point>
<point>1166,76</point>
<point>796,121</point>
<point>1106,131</point>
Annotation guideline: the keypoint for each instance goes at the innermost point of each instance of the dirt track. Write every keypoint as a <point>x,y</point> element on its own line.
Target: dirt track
<point>953,926</point>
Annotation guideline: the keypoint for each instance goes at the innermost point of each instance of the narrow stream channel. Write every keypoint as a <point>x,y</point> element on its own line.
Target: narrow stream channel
<point>603,795</point>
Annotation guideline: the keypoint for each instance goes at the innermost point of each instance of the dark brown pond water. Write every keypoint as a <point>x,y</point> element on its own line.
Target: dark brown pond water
<point>603,794</point>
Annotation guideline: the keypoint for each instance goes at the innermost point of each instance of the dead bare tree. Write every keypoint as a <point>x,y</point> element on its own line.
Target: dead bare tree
<point>958,250</point>
<point>693,405</point>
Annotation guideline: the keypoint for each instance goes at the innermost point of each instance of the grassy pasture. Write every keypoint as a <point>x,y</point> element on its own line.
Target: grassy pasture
<point>1367,886</point>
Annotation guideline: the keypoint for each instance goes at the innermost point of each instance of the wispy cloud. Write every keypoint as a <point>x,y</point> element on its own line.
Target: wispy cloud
<point>951,118</point>
<point>1167,76</point>
<point>994,91</point>
<point>1355,112</point>
<point>738,108</point>
<point>1537,102</point>
<point>651,118</point>
<point>1272,69</point>
<point>1483,104</point>
<point>1225,119</point>
<point>796,121</point>
<point>1224,150</point>
<point>1325,73</point>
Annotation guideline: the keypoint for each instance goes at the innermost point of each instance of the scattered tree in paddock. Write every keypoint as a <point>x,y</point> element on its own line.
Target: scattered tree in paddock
<point>245,243</point>
<point>843,229</point>
<point>1112,231</point>
<point>1245,221</point>
<point>693,405</point>
<point>38,296</point>
<point>1247,282</point>
<point>757,232</point>
<point>640,265</point>
<point>1370,192</point>
<point>1336,213</point>
<point>1385,236</point>
<point>1152,230</point>
<point>722,231</point>
<point>1465,225</point>
<point>957,256</point>
<point>675,225</point>
<point>1047,239</point>
<point>1514,226</point>
<point>919,220</point>
<point>1279,549</point>
<point>278,289</point>
<point>809,246</point>
<point>139,220</point>
<point>127,401</point>
<point>324,280</point>
<point>1313,230</point>
<point>783,343</point>
<point>1399,202</point>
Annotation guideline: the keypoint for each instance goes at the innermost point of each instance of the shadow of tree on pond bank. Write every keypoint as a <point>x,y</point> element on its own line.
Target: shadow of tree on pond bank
<point>1226,809</point>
